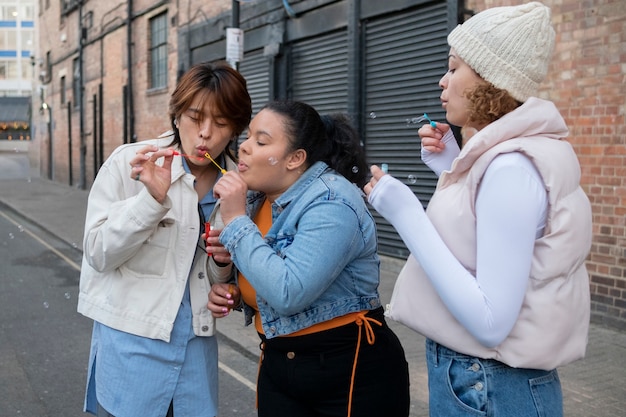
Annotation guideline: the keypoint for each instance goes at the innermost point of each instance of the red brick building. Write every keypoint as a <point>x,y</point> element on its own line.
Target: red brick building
<point>377,61</point>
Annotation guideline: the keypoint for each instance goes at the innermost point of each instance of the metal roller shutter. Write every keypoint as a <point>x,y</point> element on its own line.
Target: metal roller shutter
<point>319,72</point>
<point>255,69</point>
<point>405,56</point>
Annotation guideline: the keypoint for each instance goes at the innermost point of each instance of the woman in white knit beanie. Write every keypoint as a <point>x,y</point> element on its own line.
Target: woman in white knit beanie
<point>498,283</point>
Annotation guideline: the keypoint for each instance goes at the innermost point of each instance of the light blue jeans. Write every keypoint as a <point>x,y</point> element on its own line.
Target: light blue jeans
<point>461,385</point>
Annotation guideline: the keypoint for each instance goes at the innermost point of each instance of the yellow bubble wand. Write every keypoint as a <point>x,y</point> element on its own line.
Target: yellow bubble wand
<point>222,170</point>
<point>206,155</point>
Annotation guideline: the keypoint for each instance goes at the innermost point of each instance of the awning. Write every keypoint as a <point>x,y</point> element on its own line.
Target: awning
<point>15,110</point>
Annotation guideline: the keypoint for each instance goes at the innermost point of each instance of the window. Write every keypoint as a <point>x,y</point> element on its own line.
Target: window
<point>12,72</point>
<point>27,40</point>
<point>8,39</point>
<point>62,88</point>
<point>158,51</point>
<point>26,68</point>
<point>75,82</point>
<point>8,12</point>
<point>27,12</point>
<point>48,72</point>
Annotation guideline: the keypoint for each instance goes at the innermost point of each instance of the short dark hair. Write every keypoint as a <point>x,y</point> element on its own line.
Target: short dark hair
<point>220,83</point>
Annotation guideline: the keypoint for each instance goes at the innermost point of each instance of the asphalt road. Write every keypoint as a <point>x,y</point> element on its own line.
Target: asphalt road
<point>44,342</point>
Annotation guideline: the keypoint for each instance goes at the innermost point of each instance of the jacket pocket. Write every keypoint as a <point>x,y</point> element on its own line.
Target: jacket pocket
<point>152,258</point>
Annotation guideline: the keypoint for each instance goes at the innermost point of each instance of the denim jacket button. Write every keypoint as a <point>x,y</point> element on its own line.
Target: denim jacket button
<point>478,386</point>
<point>475,367</point>
<point>291,355</point>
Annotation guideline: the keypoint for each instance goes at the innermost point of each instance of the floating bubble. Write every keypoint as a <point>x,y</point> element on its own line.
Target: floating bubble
<point>372,115</point>
<point>272,160</point>
<point>415,121</point>
<point>67,295</point>
<point>11,236</point>
<point>20,228</point>
<point>412,179</point>
<point>45,304</point>
<point>355,169</point>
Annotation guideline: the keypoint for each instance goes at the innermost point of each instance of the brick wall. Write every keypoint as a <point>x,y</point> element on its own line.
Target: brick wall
<point>106,62</point>
<point>587,81</point>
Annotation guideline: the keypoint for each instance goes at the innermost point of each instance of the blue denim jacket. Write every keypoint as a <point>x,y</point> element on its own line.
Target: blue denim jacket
<point>319,259</point>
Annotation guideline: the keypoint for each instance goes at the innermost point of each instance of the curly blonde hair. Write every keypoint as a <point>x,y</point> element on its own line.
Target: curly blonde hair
<point>487,103</point>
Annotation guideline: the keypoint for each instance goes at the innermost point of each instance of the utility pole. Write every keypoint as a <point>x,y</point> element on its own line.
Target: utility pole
<point>233,36</point>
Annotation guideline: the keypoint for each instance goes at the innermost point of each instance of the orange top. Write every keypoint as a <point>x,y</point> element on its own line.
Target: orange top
<point>263,220</point>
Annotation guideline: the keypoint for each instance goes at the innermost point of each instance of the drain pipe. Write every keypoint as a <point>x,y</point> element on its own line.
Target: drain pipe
<point>82,180</point>
<point>129,46</point>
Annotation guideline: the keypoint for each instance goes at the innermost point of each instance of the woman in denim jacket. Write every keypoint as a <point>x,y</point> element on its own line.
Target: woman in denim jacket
<point>306,250</point>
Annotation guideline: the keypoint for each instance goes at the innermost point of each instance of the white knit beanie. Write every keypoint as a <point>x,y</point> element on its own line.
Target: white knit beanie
<point>510,47</point>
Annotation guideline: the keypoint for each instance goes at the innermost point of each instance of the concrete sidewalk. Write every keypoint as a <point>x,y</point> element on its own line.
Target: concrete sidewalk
<point>594,386</point>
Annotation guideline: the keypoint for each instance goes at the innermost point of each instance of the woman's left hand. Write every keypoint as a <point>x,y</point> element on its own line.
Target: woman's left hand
<point>215,248</point>
<point>377,174</point>
<point>223,298</point>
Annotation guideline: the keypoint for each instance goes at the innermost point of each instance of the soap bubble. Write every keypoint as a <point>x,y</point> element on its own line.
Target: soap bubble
<point>412,179</point>
<point>272,160</point>
<point>415,121</point>
<point>355,169</point>
<point>372,115</point>
<point>45,304</point>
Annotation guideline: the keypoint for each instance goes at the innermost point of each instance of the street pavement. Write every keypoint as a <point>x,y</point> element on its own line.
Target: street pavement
<point>594,386</point>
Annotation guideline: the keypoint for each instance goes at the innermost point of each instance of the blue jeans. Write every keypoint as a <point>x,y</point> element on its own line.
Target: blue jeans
<point>461,385</point>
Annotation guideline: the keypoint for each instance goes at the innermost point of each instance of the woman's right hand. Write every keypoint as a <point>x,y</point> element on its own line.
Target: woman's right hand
<point>232,191</point>
<point>156,178</point>
<point>431,137</point>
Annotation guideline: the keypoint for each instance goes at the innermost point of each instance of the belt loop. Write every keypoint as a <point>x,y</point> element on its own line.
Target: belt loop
<point>433,348</point>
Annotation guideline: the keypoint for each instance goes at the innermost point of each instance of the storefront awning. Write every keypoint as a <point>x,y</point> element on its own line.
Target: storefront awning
<point>15,110</point>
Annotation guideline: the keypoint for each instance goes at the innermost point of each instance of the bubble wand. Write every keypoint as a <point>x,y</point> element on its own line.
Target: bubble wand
<point>222,170</point>
<point>206,155</point>
<point>417,120</point>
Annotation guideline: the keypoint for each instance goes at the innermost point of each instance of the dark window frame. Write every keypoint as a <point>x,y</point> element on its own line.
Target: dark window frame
<point>157,52</point>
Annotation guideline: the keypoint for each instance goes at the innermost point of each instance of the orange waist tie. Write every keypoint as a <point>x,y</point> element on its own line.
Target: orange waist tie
<point>359,317</point>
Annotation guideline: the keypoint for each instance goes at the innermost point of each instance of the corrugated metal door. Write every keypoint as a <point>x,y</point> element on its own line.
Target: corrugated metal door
<point>319,72</point>
<point>255,69</point>
<point>405,56</point>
